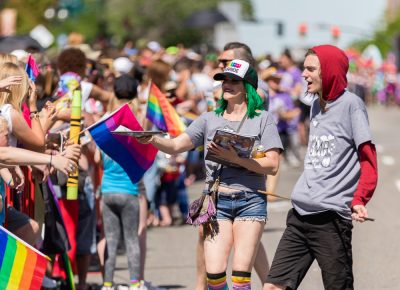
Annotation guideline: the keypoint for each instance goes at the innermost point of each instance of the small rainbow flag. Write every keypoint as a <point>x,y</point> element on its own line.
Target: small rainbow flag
<point>31,68</point>
<point>69,82</point>
<point>21,266</point>
<point>135,158</point>
<point>162,114</point>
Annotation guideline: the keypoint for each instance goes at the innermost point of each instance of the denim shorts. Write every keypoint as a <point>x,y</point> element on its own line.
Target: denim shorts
<point>242,205</point>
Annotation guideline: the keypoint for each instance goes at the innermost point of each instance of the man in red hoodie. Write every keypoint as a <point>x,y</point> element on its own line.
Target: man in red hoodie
<point>339,178</point>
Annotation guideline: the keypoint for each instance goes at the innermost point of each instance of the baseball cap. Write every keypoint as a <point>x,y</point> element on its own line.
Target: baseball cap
<point>125,87</point>
<point>122,65</point>
<point>239,70</point>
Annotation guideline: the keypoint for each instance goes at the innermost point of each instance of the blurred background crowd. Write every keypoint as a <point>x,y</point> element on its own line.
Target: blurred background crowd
<point>117,47</point>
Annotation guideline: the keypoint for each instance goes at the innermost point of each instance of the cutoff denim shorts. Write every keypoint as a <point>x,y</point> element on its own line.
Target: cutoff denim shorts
<point>242,206</point>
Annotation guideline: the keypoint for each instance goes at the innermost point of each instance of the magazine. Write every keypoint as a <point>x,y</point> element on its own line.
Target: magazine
<point>241,143</point>
<point>122,130</point>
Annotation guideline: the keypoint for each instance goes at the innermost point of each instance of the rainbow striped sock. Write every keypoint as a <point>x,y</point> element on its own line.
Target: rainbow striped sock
<point>241,280</point>
<point>217,281</point>
<point>135,282</point>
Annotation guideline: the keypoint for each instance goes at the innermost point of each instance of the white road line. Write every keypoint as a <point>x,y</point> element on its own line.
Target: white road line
<point>397,182</point>
<point>388,160</point>
<point>379,148</point>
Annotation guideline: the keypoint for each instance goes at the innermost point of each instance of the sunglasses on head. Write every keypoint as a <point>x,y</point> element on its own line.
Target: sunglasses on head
<point>224,61</point>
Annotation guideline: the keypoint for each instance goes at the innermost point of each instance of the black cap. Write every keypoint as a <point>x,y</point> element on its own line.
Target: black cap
<point>125,87</point>
<point>241,70</point>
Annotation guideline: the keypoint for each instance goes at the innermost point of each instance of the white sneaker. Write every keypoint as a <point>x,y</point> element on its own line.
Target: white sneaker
<point>107,288</point>
<point>49,283</point>
<point>148,286</point>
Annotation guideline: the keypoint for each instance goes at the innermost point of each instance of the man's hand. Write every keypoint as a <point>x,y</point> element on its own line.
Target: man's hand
<point>359,213</point>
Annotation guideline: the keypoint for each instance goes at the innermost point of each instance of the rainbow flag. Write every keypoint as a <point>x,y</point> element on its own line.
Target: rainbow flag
<point>135,158</point>
<point>31,68</point>
<point>162,114</point>
<point>21,266</point>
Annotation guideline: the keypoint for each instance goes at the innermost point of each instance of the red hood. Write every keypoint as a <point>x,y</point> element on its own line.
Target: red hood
<point>334,67</point>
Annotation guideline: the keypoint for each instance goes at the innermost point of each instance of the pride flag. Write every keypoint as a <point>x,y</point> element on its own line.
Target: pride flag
<point>162,114</point>
<point>135,158</point>
<point>21,266</point>
<point>31,68</point>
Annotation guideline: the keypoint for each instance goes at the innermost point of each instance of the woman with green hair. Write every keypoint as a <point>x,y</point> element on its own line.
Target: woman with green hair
<point>241,210</point>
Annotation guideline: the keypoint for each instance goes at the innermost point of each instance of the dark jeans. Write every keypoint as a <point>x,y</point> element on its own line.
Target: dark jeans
<point>325,237</point>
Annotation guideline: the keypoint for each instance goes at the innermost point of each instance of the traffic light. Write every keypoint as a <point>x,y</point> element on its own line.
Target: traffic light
<point>280,28</point>
<point>335,31</point>
<point>303,29</point>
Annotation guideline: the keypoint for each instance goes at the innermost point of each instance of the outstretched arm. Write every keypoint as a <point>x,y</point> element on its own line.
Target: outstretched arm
<point>176,145</point>
<point>19,156</point>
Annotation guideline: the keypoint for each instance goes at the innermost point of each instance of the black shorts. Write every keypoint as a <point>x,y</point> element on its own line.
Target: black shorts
<point>325,237</point>
<point>16,219</point>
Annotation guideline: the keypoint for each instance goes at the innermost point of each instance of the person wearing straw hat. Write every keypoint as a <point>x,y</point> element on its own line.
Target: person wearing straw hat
<point>339,178</point>
<point>241,210</point>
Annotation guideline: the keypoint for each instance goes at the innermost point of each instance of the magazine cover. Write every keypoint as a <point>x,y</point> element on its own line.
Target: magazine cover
<point>242,144</point>
<point>122,130</point>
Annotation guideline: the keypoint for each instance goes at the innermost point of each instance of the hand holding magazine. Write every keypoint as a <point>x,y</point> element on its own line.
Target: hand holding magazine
<point>242,144</point>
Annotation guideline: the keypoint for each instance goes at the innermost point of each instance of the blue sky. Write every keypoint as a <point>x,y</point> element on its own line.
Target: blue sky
<point>356,18</point>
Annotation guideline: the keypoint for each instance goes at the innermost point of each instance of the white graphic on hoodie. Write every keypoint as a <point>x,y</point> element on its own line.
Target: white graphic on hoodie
<point>320,151</point>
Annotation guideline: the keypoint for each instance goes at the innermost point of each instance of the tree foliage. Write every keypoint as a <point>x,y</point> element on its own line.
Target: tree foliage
<point>30,12</point>
<point>161,20</point>
<point>384,37</point>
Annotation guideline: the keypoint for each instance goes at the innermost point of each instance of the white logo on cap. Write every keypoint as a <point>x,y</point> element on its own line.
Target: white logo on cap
<point>237,67</point>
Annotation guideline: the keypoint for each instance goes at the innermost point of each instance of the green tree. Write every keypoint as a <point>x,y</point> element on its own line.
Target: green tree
<point>161,20</point>
<point>383,37</point>
<point>30,12</point>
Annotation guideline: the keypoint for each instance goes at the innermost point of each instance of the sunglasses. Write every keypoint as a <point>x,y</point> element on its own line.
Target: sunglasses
<point>224,61</point>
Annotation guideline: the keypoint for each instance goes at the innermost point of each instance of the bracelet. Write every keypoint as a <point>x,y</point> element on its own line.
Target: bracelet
<point>34,115</point>
<point>51,157</point>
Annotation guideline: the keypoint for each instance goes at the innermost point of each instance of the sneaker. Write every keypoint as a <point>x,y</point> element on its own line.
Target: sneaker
<point>145,285</point>
<point>107,288</point>
<point>49,283</point>
<point>124,287</point>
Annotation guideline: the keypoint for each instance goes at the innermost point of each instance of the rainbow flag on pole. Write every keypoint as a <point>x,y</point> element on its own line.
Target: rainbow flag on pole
<point>135,158</point>
<point>162,114</point>
<point>21,266</point>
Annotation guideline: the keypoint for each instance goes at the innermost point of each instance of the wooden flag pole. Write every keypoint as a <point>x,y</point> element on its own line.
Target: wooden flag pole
<point>286,198</point>
<point>274,195</point>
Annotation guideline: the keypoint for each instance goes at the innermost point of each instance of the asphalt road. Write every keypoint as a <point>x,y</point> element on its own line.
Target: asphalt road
<point>376,245</point>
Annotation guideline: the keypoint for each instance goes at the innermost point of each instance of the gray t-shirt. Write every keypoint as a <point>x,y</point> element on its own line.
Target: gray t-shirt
<point>331,165</point>
<point>202,131</point>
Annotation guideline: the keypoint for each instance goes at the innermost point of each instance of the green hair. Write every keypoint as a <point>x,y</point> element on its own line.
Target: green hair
<point>253,99</point>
